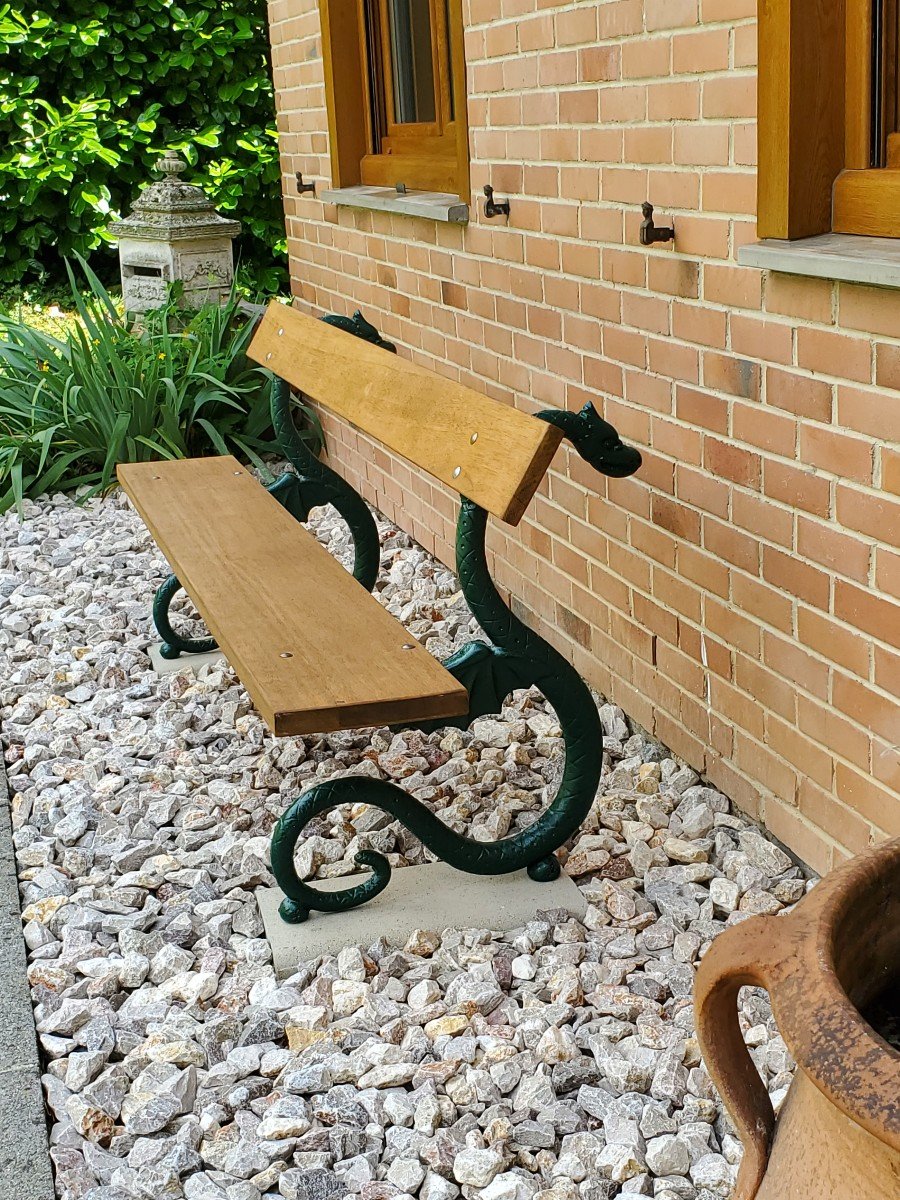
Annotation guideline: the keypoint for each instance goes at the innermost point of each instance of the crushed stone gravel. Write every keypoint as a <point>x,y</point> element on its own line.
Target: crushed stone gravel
<point>554,1062</point>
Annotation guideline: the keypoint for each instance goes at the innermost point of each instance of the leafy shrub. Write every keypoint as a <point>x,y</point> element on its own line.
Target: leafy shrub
<point>93,91</point>
<point>33,307</point>
<point>72,408</point>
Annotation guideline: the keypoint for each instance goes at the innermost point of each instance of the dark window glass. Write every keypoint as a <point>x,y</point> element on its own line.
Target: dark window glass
<point>375,81</point>
<point>449,59</point>
<point>412,61</point>
<point>885,76</point>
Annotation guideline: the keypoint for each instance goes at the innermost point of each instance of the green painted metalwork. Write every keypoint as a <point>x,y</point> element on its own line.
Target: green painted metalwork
<point>314,483</point>
<point>309,485</point>
<point>173,644</point>
<point>517,658</point>
<point>596,440</point>
<point>361,328</point>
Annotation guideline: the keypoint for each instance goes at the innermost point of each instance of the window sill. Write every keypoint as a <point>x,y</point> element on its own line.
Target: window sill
<point>843,256</point>
<point>433,206</point>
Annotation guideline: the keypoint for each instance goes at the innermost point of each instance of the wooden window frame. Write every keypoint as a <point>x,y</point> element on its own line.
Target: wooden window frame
<point>425,156</point>
<point>815,124</point>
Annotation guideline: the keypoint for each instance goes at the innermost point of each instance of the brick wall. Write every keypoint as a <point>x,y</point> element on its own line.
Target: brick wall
<point>740,596</point>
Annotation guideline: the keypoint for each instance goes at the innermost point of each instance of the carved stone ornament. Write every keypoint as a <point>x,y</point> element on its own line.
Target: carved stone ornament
<point>174,233</point>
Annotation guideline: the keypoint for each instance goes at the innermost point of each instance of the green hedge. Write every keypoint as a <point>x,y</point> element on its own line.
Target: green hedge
<point>93,91</point>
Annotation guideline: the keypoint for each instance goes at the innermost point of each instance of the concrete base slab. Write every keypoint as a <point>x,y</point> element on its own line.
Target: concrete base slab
<point>190,662</point>
<point>433,896</point>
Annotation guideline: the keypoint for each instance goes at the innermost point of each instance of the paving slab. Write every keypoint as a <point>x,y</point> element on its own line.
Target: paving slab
<point>433,896</point>
<point>191,662</point>
<point>25,1171</point>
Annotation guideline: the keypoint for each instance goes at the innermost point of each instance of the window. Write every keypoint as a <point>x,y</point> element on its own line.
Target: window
<point>867,192</point>
<point>884,114</point>
<point>395,91</point>
<point>829,117</point>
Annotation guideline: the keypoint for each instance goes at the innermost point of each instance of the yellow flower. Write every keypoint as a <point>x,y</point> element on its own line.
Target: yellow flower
<point>43,366</point>
<point>160,356</point>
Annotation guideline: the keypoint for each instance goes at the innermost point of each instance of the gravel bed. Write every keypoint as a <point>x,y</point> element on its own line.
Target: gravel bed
<point>556,1062</point>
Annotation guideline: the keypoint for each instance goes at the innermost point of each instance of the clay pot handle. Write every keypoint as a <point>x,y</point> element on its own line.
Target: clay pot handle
<point>737,958</point>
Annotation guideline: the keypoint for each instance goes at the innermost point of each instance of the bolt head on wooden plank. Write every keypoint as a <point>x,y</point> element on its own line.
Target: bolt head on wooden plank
<point>434,896</point>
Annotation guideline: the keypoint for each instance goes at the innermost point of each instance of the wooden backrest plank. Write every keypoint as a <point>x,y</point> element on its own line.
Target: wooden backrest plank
<point>489,452</point>
<point>313,648</point>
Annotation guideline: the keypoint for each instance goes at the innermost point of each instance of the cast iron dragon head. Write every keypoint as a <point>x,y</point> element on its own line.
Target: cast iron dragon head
<point>596,440</point>
<point>361,328</point>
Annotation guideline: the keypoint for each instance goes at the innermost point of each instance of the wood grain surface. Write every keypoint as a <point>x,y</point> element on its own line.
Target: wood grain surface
<point>313,648</point>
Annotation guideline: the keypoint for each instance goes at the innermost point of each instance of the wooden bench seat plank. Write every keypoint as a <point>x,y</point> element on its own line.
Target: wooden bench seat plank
<point>490,452</point>
<point>267,588</point>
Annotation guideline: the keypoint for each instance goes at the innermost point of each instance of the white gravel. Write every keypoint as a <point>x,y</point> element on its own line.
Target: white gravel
<point>556,1062</point>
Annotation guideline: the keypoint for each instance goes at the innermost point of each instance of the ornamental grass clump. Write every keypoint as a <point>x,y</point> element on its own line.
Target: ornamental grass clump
<point>180,386</point>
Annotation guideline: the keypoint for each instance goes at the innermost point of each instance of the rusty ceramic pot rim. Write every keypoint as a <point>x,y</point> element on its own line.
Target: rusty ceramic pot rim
<point>833,1044</point>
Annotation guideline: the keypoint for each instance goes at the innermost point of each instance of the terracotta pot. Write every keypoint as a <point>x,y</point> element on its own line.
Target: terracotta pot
<point>825,964</point>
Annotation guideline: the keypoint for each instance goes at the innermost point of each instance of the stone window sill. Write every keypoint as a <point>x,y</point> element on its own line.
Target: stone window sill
<point>433,206</point>
<point>842,256</point>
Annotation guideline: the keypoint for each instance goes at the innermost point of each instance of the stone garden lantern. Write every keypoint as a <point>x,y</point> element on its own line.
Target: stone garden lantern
<point>174,233</point>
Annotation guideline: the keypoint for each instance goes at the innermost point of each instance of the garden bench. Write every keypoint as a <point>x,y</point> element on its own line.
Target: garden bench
<point>314,649</point>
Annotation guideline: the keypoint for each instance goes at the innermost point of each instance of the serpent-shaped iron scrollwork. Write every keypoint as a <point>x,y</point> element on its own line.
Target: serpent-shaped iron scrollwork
<point>596,440</point>
<point>310,484</point>
<point>361,328</point>
<point>315,483</point>
<point>518,658</point>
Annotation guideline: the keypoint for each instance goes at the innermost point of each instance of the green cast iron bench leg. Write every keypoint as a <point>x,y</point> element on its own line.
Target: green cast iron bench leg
<point>517,658</point>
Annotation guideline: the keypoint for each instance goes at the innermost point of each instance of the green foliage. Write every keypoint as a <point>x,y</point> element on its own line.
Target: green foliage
<point>73,407</point>
<point>93,91</point>
<point>31,306</point>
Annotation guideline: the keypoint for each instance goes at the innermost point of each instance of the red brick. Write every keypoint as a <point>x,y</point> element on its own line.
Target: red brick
<point>797,578</point>
<point>737,376</point>
<point>872,514</point>
<point>819,805</point>
<point>700,325</point>
<point>887,366</point>
<point>837,453</point>
<point>864,796</point>
<point>761,600</point>
<point>833,548</point>
<point>753,337</point>
<point>674,517</point>
<point>825,352</point>
<point>758,516</point>
<point>834,642</point>
<point>699,490</point>
<point>798,488</point>
<point>866,411</point>
<point>798,394</point>
<point>702,408</point>
<point>887,571</point>
<point>829,728</point>
<point>727,461</point>
<point>865,706</point>
<point>726,284</point>
<point>860,608</point>
<point>731,545</point>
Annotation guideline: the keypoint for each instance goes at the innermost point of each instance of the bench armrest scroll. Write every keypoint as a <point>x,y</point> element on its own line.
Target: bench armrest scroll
<point>596,440</point>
